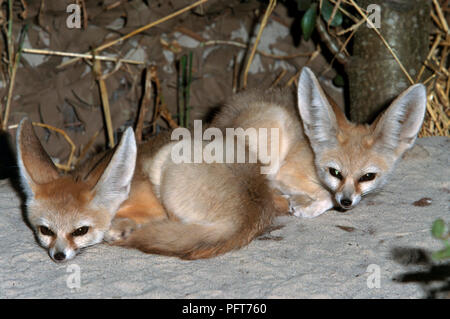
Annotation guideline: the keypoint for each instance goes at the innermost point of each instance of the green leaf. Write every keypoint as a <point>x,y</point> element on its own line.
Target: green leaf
<point>438,228</point>
<point>441,254</point>
<point>339,81</point>
<point>309,21</point>
<point>327,10</point>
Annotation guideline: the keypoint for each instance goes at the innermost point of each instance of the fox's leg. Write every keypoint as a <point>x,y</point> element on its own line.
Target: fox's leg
<point>304,202</point>
<point>120,229</point>
<point>303,205</point>
<point>307,197</point>
<point>141,207</point>
<point>281,202</point>
<point>298,179</point>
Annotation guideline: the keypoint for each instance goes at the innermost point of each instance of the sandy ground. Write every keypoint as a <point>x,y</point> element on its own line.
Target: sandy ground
<point>326,257</point>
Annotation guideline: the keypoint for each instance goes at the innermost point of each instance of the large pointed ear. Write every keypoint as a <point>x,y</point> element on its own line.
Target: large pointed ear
<point>319,120</point>
<point>397,127</point>
<point>113,187</point>
<point>35,166</point>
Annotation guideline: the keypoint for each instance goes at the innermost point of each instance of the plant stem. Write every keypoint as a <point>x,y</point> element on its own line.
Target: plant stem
<point>188,89</point>
<point>181,91</point>
<point>12,81</point>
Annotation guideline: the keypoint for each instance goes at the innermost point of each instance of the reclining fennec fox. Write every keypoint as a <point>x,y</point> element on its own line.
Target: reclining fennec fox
<point>325,160</point>
<point>140,197</point>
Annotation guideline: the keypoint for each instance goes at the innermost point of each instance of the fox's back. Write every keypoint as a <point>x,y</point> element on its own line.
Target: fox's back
<point>259,108</point>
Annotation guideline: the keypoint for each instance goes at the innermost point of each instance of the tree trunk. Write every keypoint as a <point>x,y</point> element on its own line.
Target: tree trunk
<point>375,78</point>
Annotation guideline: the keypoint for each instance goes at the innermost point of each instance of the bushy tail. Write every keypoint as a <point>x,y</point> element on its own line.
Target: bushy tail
<point>244,208</point>
<point>186,241</point>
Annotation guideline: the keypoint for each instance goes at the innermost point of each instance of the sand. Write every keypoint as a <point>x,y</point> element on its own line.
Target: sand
<point>337,255</point>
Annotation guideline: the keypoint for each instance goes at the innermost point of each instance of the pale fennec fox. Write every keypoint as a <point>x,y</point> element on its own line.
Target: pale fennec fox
<point>70,212</point>
<point>139,197</point>
<point>325,160</point>
<point>186,210</point>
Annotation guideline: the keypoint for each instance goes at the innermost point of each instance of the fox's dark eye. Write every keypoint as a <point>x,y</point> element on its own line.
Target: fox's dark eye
<point>80,231</point>
<point>46,231</point>
<point>335,173</point>
<point>367,177</point>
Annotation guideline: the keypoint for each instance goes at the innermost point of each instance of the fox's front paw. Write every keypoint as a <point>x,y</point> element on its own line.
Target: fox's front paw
<point>310,208</point>
<point>120,229</point>
<point>307,212</point>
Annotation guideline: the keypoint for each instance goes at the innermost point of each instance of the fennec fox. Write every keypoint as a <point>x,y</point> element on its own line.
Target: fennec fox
<point>70,212</point>
<point>324,160</point>
<point>138,197</point>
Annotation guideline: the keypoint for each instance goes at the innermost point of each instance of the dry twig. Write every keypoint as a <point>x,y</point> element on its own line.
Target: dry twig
<point>144,105</point>
<point>269,10</point>
<point>105,102</point>
<point>79,55</point>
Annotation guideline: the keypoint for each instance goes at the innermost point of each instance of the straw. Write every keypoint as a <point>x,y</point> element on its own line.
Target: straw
<point>269,10</point>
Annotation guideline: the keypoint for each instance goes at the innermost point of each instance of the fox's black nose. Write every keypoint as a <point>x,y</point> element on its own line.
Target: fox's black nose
<point>59,256</point>
<point>345,202</point>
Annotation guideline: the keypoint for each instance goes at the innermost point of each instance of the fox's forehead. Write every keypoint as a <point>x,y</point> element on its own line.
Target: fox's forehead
<point>64,191</point>
<point>64,215</point>
<point>355,134</point>
<point>55,210</point>
<point>61,200</point>
<point>355,155</point>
